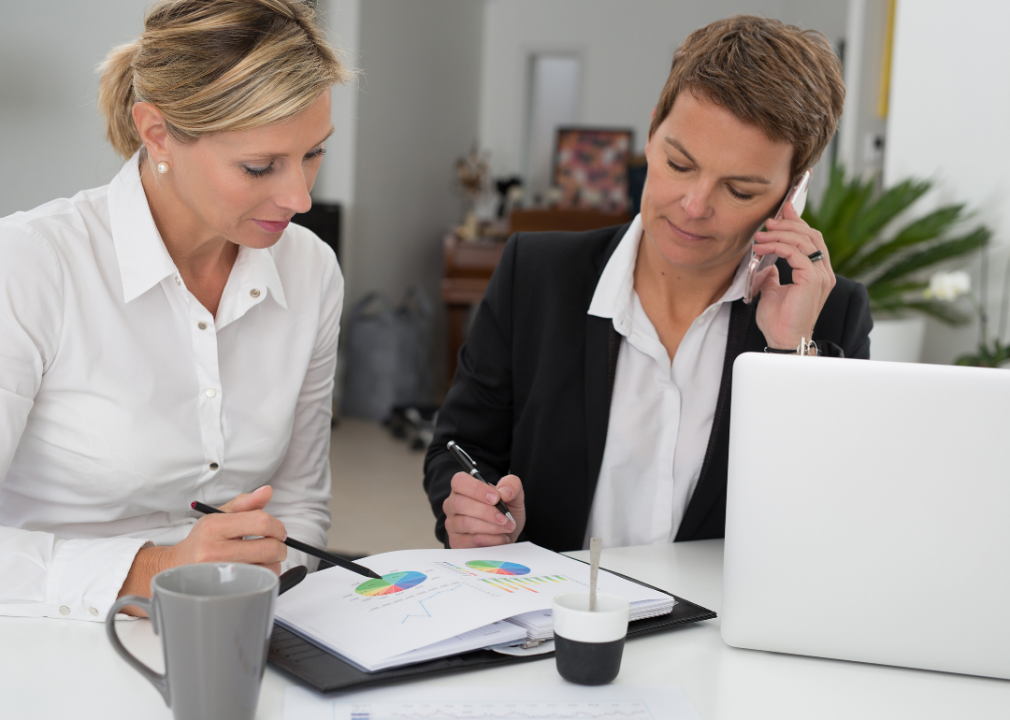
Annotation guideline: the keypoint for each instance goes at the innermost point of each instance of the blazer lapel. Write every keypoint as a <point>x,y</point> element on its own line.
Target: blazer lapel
<point>602,345</point>
<point>711,483</point>
<point>601,364</point>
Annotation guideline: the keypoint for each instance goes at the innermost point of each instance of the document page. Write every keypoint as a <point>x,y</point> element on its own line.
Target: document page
<point>559,702</point>
<point>429,596</point>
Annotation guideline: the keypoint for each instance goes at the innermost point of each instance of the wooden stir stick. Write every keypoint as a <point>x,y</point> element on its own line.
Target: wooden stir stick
<point>595,545</point>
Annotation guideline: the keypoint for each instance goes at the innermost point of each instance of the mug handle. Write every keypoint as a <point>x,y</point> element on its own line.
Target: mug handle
<point>158,680</point>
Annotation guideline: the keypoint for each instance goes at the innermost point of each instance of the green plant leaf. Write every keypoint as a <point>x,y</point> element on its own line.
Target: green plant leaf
<point>924,230</point>
<point>853,215</point>
<point>882,291</point>
<point>891,203</point>
<point>832,197</point>
<point>934,254</point>
<point>841,244</point>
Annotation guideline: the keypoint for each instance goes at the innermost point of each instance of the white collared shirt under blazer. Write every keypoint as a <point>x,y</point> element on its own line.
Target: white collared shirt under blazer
<point>661,412</point>
<point>122,399</point>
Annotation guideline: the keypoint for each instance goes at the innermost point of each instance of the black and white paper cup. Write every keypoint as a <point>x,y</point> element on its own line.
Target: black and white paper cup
<point>588,645</point>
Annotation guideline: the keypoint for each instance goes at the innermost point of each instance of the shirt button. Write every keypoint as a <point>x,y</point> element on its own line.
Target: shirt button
<point>202,325</point>
<point>214,466</point>
<point>211,392</point>
<point>178,280</point>
<point>254,292</point>
<point>93,611</point>
<point>64,610</point>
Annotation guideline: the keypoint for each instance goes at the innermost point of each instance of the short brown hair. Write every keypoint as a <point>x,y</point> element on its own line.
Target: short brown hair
<point>784,80</point>
<point>217,65</point>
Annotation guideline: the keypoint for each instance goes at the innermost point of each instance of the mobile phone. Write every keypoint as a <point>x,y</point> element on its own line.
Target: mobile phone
<point>797,197</point>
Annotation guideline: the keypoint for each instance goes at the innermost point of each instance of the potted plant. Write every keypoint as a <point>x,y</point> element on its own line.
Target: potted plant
<point>991,351</point>
<point>893,259</point>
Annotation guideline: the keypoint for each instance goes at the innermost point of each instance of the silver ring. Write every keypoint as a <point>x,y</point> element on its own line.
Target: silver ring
<point>814,257</point>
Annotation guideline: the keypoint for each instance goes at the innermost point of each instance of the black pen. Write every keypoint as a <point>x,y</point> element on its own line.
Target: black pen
<point>295,544</point>
<point>467,463</point>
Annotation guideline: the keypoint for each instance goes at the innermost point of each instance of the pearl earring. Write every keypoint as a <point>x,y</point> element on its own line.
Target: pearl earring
<point>163,167</point>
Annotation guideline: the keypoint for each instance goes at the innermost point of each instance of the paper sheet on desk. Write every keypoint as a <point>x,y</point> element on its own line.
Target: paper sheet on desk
<point>429,596</point>
<point>557,702</point>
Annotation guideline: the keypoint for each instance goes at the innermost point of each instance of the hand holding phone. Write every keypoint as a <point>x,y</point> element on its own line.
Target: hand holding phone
<point>797,197</point>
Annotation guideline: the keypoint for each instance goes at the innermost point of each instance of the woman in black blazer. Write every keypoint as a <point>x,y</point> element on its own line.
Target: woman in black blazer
<point>749,106</point>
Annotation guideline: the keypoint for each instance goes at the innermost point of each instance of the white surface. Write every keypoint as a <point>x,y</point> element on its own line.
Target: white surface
<point>948,121</point>
<point>573,621</point>
<point>893,548</point>
<point>613,702</point>
<point>56,669</point>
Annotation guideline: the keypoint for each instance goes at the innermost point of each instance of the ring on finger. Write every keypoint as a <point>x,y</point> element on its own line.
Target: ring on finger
<point>815,256</point>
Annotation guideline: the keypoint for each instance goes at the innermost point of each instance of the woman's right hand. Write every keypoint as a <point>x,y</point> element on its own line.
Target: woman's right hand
<point>471,518</point>
<point>216,538</point>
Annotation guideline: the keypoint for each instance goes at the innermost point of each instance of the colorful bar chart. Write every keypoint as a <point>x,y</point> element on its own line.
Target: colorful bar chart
<point>519,584</point>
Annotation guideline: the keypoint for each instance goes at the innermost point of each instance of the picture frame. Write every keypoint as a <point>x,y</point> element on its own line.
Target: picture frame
<point>591,167</point>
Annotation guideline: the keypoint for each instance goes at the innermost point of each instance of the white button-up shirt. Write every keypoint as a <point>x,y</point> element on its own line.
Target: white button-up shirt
<point>661,413</point>
<point>122,399</point>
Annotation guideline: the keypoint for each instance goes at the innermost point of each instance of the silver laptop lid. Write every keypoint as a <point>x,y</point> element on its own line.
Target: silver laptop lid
<point>868,512</point>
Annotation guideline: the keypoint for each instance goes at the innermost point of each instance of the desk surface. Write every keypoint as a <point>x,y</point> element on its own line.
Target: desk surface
<point>66,669</point>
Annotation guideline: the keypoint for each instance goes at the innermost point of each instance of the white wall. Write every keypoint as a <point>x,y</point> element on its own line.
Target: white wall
<point>950,120</point>
<point>865,38</point>
<point>51,136</point>
<point>335,182</point>
<point>626,49</point>
<point>417,112</point>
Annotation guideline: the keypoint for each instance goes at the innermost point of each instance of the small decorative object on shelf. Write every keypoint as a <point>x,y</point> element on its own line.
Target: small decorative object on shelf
<point>510,194</point>
<point>471,174</point>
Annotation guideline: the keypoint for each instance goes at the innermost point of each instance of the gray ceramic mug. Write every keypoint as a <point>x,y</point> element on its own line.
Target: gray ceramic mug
<point>215,621</point>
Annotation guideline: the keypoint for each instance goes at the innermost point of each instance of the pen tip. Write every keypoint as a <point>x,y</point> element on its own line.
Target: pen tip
<point>509,516</point>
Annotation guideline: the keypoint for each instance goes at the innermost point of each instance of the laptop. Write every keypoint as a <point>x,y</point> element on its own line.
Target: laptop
<point>868,513</point>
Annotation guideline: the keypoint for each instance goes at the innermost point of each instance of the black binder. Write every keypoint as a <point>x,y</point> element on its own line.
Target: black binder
<point>326,672</point>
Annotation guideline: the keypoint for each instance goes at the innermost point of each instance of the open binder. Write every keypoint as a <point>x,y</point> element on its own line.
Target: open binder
<point>327,673</point>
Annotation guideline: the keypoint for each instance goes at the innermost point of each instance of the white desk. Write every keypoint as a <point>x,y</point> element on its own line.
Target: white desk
<point>65,669</point>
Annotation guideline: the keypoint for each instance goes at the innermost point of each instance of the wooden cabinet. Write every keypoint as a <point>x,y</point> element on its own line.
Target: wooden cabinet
<point>467,270</point>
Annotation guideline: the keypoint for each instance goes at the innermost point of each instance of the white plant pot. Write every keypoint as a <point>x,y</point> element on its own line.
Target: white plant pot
<point>898,340</point>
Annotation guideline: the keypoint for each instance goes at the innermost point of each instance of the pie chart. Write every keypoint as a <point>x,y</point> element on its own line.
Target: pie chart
<point>392,583</point>
<point>498,567</point>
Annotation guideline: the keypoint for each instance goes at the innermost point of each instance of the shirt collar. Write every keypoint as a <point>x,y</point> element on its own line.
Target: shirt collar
<point>253,276</point>
<point>255,269</point>
<point>143,258</point>
<point>615,293</point>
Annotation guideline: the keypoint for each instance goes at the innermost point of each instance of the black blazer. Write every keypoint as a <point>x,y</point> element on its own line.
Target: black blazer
<point>532,390</point>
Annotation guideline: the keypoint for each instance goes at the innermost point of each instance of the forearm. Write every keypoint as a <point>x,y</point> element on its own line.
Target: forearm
<point>149,562</point>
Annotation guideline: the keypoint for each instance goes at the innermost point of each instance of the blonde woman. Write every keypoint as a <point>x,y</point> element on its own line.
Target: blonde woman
<point>170,337</point>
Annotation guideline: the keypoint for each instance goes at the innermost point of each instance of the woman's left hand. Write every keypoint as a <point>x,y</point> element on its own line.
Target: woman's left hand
<point>787,313</point>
